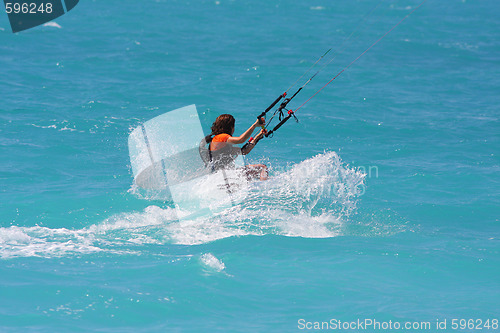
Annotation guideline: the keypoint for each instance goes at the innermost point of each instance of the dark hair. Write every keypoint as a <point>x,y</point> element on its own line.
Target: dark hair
<point>223,124</point>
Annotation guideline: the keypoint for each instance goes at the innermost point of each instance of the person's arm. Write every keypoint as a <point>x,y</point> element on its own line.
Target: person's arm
<point>249,146</point>
<point>244,137</point>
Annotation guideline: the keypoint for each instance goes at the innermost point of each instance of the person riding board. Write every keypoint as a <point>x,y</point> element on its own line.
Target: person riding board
<point>221,151</point>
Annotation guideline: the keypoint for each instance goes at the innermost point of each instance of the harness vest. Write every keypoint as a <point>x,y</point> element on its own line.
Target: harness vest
<point>222,156</point>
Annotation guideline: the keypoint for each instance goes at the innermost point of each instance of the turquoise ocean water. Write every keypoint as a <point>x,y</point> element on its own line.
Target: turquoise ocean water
<point>384,198</point>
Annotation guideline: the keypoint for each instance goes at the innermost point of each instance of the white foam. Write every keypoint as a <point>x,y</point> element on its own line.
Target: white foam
<point>14,236</point>
<point>43,242</point>
<point>311,199</point>
<point>210,261</point>
<point>323,226</point>
<point>52,24</point>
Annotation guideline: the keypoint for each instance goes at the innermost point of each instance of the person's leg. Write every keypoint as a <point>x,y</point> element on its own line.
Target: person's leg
<point>256,171</point>
<point>263,172</point>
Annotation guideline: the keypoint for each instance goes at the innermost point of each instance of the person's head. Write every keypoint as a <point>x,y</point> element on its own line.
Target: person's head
<point>223,124</point>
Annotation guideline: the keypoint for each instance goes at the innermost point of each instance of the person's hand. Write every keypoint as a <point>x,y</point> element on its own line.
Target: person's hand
<point>260,122</point>
<point>261,134</point>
